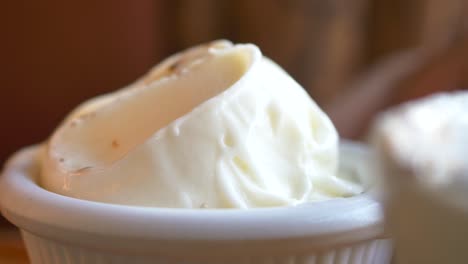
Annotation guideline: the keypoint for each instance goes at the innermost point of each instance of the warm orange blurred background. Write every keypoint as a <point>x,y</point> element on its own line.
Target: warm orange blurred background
<point>55,54</point>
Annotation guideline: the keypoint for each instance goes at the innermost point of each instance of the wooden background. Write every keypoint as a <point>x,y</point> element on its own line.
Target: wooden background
<point>55,54</point>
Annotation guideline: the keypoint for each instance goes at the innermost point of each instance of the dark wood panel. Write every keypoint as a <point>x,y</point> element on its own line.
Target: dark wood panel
<point>55,54</point>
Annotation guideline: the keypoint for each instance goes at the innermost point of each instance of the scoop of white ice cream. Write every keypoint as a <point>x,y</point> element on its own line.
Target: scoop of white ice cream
<point>217,126</point>
<point>428,137</point>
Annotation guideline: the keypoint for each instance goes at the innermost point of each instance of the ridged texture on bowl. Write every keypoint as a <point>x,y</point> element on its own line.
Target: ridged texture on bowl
<point>46,251</point>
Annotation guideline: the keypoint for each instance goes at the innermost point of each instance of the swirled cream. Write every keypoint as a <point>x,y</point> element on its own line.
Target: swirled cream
<point>216,126</point>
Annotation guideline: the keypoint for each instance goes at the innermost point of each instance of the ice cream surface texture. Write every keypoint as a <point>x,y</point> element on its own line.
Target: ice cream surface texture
<point>216,126</point>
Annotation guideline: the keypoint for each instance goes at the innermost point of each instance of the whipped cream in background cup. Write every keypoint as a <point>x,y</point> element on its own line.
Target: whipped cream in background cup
<point>423,153</point>
<point>243,169</point>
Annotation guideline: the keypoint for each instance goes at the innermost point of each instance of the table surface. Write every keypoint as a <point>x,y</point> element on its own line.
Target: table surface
<point>12,250</point>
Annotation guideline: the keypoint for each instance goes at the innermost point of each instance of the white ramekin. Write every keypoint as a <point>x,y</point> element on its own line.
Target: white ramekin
<point>428,221</point>
<point>59,229</point>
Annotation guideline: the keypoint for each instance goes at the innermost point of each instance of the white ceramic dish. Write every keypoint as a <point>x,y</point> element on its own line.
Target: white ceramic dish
<point>59,229</point>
